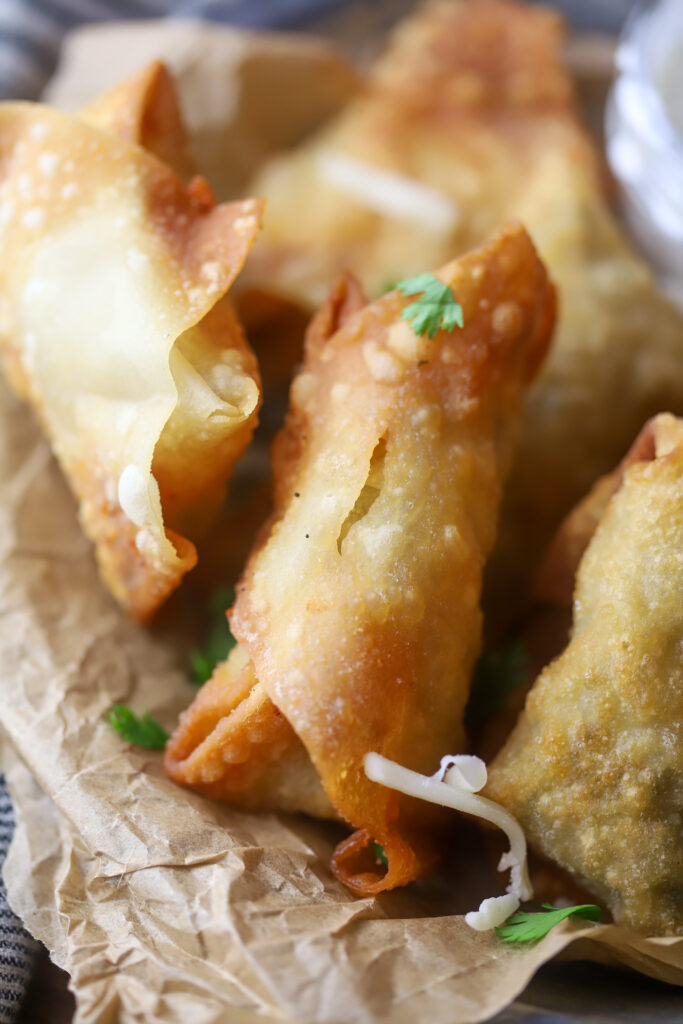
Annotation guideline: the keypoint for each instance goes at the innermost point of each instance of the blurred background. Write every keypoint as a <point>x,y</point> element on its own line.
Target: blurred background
<point>31,31</point>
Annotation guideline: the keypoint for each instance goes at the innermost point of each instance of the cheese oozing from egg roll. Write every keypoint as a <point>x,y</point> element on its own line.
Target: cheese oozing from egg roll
<point>112,325</point>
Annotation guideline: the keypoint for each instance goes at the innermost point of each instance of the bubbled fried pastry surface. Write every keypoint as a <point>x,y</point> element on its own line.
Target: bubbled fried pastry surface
<point>594,768</point>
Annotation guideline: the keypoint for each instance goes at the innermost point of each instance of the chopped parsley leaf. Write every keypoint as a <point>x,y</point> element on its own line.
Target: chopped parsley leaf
<point>144,731</point>
<point>378,851</point>
<point>219,640</point>
<point>522,927</point>
<point>435,310</point>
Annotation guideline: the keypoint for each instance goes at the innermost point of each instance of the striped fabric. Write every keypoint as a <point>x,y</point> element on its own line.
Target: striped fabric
<point>17,948</point>
<point>31,30</point>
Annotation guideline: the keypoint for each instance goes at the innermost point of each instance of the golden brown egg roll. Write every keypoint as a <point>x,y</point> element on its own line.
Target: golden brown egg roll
<point>593,770</point>
<point>111,326</point>
<point>469,119</point>
<point>358,613</point>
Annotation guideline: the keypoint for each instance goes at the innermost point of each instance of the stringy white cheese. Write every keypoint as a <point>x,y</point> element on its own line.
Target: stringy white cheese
<point>134,497</point>
<point>388,193</point>
<point>492,912</point>
<point>455,784</point>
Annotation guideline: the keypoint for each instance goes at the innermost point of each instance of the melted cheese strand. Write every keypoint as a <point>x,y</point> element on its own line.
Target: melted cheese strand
<point>389,194</point>
<point>449,794</point>
<point>492,912</point>
<point>464,771</point>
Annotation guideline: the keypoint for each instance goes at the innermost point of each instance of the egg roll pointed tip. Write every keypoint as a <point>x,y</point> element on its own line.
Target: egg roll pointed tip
<point>556,577</point>
<point>344,299</point>
<point>509,259</point>
<point>145,109</point>
<point>127,575</point>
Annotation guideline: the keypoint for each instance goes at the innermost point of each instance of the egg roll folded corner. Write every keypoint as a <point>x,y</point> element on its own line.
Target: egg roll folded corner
<point>145,109</point>
<point>358,611</point>
<point>114,326</point>
<point>593,770</point>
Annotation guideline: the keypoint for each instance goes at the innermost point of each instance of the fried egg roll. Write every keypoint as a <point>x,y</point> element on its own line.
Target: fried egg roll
<point>469,119</point>
<point>112,327</point>
<point>358,614</point>
<point>593,771</point>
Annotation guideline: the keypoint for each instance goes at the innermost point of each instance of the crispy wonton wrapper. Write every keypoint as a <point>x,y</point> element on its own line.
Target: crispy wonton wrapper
<point>114,327</point>
<point>244,95</point>
<point>358,613</point>
<point>163,906</point>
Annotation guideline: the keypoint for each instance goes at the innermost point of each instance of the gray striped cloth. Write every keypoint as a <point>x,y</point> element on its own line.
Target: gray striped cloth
<point>17,948</point>
<point>31,30</point>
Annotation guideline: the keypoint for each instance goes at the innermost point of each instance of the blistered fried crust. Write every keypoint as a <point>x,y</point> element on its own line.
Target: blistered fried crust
<point>502,56</point>
<point>473,101</point>
<point>111,325</point>
<point>547,629</point>
<point>618,347</point>
<point>594,768</point>
<point>359,609</point>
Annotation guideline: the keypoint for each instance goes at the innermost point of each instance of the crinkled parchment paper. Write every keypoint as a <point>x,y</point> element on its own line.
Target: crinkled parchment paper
<point>161,905</point>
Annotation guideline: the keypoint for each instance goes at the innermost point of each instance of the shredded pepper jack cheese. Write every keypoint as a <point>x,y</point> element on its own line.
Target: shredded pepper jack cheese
<point>455,785</point>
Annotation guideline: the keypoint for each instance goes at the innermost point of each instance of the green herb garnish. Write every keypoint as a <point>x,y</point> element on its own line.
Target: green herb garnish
<point>380,855</point>
<point>436,309</point>
<point>496,676</point>
<point>143,732</point>
<point>219,640</point>
<point>533,927</point>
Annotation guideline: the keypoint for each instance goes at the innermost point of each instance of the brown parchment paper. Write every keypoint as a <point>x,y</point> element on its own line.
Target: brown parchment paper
<point>162,906</point>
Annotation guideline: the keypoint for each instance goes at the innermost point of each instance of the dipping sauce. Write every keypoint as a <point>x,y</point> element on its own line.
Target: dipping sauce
<point>644,129</point>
